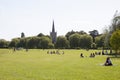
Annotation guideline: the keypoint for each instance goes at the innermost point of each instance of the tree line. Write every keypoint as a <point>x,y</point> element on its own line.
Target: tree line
<point>72,40</point>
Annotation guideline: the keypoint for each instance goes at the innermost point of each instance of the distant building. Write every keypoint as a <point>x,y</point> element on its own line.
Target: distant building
<point>53,34</point>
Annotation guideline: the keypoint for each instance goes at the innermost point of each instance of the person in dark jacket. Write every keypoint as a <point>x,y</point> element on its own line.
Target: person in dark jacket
<point>108,62</point>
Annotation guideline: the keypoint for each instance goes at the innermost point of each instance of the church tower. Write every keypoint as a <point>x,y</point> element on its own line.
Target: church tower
<point>53,34</point>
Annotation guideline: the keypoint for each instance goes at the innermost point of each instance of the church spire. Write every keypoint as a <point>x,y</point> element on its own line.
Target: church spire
<point>53,27</point>
<point>53,34</point>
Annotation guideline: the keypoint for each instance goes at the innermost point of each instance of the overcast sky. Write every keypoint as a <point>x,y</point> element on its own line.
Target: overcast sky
<point>36,16</point>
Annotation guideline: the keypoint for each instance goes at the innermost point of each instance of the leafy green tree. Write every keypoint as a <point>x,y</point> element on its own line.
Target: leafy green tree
<point>74,40</point>
<point>62,42</point>
<point>115,25</point>
<point>69,34</point>
<point>45,43</point>
<point>100,40</point>
<point>22,35</point>
<point>85,41</point>
<point>94,33</point>
<point>33,42</point>
<point>107,39</point>
<point>3,43</point>
<point>115,41</point>
<point>26,42</point>
<point>40,35</point>
<point>14,42</point>
<point>22,43</point>
<point>73,32</point>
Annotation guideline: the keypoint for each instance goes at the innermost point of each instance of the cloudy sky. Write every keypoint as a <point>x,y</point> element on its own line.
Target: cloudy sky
<point>36,16</point>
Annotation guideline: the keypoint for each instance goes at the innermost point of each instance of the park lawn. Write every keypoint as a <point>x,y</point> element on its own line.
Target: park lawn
<point>38,65</point>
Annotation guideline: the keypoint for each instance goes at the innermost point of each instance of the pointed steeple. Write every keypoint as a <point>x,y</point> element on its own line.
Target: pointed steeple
<point>53,27</point>
<point>53,34</point>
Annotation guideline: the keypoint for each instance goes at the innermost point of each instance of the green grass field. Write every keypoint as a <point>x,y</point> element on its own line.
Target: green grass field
<point>38,65</point>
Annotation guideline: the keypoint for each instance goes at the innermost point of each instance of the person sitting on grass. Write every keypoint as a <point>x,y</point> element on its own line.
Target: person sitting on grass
<point>92,55</point>
<point>108,62</point>
<point>81,55</point>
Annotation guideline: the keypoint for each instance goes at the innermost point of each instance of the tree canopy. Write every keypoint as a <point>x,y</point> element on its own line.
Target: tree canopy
<point>62,42</point>
<point>115,41</point>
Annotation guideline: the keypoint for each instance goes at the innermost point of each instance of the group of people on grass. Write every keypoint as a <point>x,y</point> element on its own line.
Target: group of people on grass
<point>55,52</point>
<point>108,61</point>
<point>92,55</point>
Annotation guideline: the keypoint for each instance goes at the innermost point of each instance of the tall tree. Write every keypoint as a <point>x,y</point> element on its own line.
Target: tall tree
<point>22,35</point>
<point>115,41</point>
<point>74,40</point>
<point>45,43</point>
<point>62,42</point>
<point>3,43</point>
<point>22,43</point>
<point>85,41</point>
<point>33,42</point>
<point>94,33</point>
<point>73,32</point>
<point>115,25</point>
<point>100,40</point>
<point>14,42</point>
